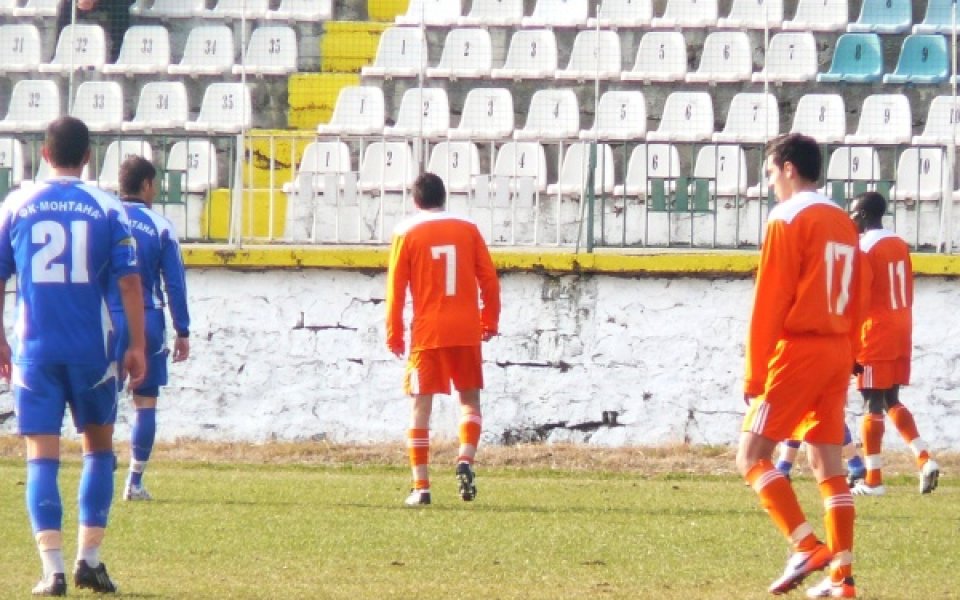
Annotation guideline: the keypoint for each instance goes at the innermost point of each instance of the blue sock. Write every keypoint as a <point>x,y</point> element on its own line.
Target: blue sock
<point>847,436</point>
<point>141,442</point>
<point>43,494</point>
<point>784,467</point>
<point>855,465</point>
<point>96,488</point>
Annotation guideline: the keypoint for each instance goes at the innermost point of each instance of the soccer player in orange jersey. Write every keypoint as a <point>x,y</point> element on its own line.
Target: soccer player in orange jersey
<point>444,262</point>
<point>887,344</point>
<point>799,356</point>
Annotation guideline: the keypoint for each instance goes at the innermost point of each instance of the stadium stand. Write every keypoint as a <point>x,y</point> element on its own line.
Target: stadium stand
<point>573,178</point>
<point>819,15</point>
<point>225,108</point>
<point>424,112</point>
<point>359,111</point>
<point>209,51</point>
<point>522,164</point>
<point>821,116</point>
<point>532,55</point>
<point>724,167</point>
<point>387,167</point>
<point>226,10</point>
<point>458,163</point>
<point>557,13</point>
<point>11,163</point>
<point>791,57</point>
<point>7,6</point>
<point>117,151</point>
<point>314,195</point>
<point>439,13</point>
<point>402,52</point>
<point>191,173</point>
<point>689,14</point>
<point>938,17</point>
<point>919,175</point>
<point>162,106</point>
<point>33,104</point>
<point>493,13</point>
<point>595,55</point>
<point>293,11</point>
<point>857,58</point>
<point>924,59</point>
<point>622,14</point>
<point>22,48</point>
<point>80,46</point>
<point>661,57</point>
<point>940,126</point>
<point>554,114</point>
<point>686,117</point>
<point>621,115</point>
<point>727,56</point>
<point>883,16</point>
<point>38,9</point>
<point>145,50</point>
<point>752,118</point>
<point>648,162</point>
<point>487,115</point>
<point>753,14</point>
<point>99,104</point>
<point>884,119</point>
<point>271,51</point>
<point>852,170</point>
<point>167,9</point>
<point>467,53</point>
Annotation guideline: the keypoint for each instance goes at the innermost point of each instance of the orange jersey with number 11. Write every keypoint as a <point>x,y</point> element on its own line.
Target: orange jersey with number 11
<point>887,332</point>
<point>445,263</point>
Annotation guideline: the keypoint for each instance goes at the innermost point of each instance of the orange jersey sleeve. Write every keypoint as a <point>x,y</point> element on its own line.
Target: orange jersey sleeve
<point>445,264</point>
<point>807,280</point>
<point>886,332</point>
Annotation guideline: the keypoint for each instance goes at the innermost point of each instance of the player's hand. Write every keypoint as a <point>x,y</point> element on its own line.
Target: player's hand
<point>488,335</point>
<point>5,360</point>
<point>135,367</point>
<point>857,369</point>
<point>181,349</point>
<point>398,349</point>
<point>86,4</point>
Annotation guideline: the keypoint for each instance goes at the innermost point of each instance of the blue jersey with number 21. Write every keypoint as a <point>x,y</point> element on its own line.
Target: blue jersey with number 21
<point>64,239</point>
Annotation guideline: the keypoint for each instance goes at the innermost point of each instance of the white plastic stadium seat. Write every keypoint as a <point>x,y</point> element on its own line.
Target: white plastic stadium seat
<point>686,117</point>
<point>33,104</point>
<point>22,48</point>
<point>7,6</point>
<point>532,55</point>
<point>625,14</point>
<point>225,10</point>
<point>487,115</point>
<point>819,15</point>
<point>209,51</point>
<point>272,50</point>
<point>162,105</point>
<point>196,161</point>
<point>387,166</point>
<point>753,117</point>
<point>99,104</point>
<point>168,9</point>
<point>145,49</point>
<point>320,159</point>
<point>553,115</point>
<point>442,13</point>
<point>118,151</point>
<point>557,13</point>
<point>850,164</point>
<point>727,57</point>
<point>359,111</point>
<point>661,57</point>
<point>320,175</point>
<point>791,57</point>
<point>621,115</point>
<point>941,125</point>
<point>919,174</point>
<point>467,53</point>
<point>687,14</point>
<point>595,55</point>
<point>301,10</point>
<point>493,13</point>
<point>725,166</point>
<point>575,167</point>
<point>753,14</point>
<point>661,161</point>
<point>11,159</point>
<point>821,116</point>
<point>225,108</point>
<point>423,112</point>
<point>457,163</point>
<point>401,52</point>
<point>38,9</point>
<point>80,46</point>
<point>884,119</point>
<point>519,160</point>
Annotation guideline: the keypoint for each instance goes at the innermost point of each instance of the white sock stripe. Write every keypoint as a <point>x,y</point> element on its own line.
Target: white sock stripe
<point>418,443</point>
<point>766,479</point>
<point>472,419</point>
<point>838,501</point>
<point>918,446</point>
<point>867,376</point>
<point>873,462</point>
<point>841,559</point>
<point>801,532</point>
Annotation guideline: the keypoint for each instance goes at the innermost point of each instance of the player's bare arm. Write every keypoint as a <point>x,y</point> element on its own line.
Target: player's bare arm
<point>134,361</point>
<point>4,345</point>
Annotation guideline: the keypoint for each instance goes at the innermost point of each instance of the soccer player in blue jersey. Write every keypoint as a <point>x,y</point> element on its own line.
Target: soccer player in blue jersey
<point>161,268</point>
<point>64,240</point>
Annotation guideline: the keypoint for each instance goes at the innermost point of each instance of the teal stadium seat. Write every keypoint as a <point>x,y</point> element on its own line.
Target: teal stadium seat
<point>923,59</point>
<point>938,18</point>
<point>883,16</point>
<point>857,58</point>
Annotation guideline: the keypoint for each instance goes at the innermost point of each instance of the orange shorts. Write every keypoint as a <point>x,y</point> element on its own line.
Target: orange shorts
<point>884,374</point>
<point>806,391</point>
<point>431,371</point>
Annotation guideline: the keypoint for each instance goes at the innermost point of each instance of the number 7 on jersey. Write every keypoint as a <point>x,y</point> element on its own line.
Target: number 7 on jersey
<point>448,252</point>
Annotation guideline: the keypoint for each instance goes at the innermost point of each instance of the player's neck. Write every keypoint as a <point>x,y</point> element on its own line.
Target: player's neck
<point>66,172</point>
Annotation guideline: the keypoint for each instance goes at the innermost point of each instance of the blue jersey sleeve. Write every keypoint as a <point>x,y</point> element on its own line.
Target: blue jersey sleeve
<point>123,256</point>
<point>175,281</point>
<point>8,264</point>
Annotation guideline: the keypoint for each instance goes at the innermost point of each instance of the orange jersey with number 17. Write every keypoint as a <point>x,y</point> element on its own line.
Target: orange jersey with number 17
<point>446,265</point>
<point>807,282</point>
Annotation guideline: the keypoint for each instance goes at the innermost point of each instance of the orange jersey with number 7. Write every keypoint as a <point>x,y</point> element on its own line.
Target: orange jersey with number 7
<point>808,281</point>
<point>446,265</point>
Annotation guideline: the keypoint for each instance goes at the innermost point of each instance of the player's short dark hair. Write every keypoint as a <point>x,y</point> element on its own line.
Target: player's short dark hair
<point>134,170</point>
<point>872,204</point>
<point>429,192</point>
<point>800,150</point>
<point>67,141</point>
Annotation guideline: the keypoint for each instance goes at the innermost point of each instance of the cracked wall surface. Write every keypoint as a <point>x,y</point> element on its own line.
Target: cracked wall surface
<point>599,359</point>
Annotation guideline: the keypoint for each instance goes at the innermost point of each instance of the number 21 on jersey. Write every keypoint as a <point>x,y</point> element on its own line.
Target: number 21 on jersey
<point>47,265</point>
<point>839,261</point>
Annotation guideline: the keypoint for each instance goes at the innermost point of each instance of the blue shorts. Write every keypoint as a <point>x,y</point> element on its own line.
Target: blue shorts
<point>156,353</point>
<point>42,393</point>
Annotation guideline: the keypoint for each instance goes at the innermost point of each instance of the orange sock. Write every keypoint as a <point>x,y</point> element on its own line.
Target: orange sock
<point>418,447</point>
<point>779,500</point>
<point>871,433</point>
<point>470,427</point>
<point>838,519</point>
<point>902,419</point>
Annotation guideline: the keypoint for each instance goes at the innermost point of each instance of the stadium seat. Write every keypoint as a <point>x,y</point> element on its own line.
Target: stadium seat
<point>884,119</point>
<point>43,169</point>
<point>595,55</point>
<point>192,171</point>
<point>118,151</point>
<point>686,117</point>
<point>857,58</point>
<point>661,57</point>
<point>919,175</point>
<point>883,16</point>
<point>321,173</point>
<point>457,163</point>
<point>387,167</point>
<point>752,118</point>
<point>7,7</point>
<point>753,14</point>
<point>622,14</point>
<point>318,160</point>
<point>487,115</point>
<point>558,13</point>
<point>162,106</point>
<point>225,108</point>
<point>145,50</point>
<point>522,160</point>
<point>923,59</point>
<point>493,13</point>
<point>647,162</point>
<point>272,50</point>
<point>850,171</point>
<point>424,112</point>
<point>938,18</point>
<point>22,48</point>
<point>621,115</point>
<point>791,57</point>
<point>941,124</point>
<point>301,10</point>
<point>467,53</point>
<point>819,15</point>
<point>532,55</point>
<point>99,104</point>
<point>554,115</point>
<point>821,116</point>
<point>38,9</point>
<point>401,52</point>
<point>208,51</point>
<point>167,9</point>
<point>80,46</point>
<point>441,13</point>
<point>359,111</point>
<point>724,167</point>
<point>226,10</point>
<point>727,56</point>
<point>687,14</point>
<point>33,104</point>
<point>576,166</point>
<point>11,163</point>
